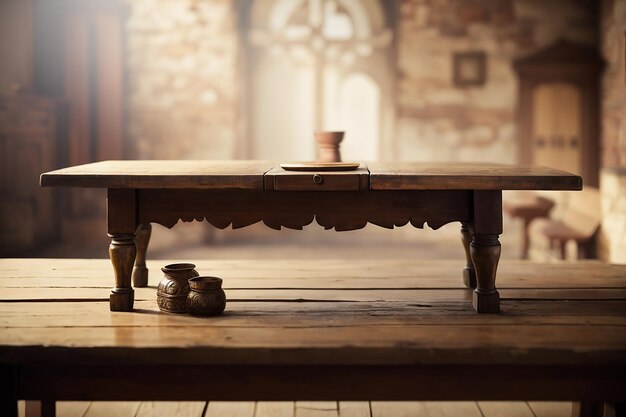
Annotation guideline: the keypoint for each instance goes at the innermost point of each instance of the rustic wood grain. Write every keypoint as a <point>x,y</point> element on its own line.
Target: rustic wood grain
<point>280,179</point>
<point>304,295</point>
<point>329,273</point>
<point>113,408</point>
<point>551,408</point>
<point>505,409</point>
<point>304,346</point>
<point>349,210</point>
<point>170,409</point>
<point>249,175</point>
<point>425,409</point>
<point>468,176</point>
<point>243,175</point>
<point>354,409</point>
<point>316,409</point>
<point>394,408</point>
<point>321,383</point>
<point>230,409</point>
<point>275,409</point>
<point>72,409</point>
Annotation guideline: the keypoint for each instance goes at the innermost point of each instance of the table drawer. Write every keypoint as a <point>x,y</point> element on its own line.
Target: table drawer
<point>280,180</point>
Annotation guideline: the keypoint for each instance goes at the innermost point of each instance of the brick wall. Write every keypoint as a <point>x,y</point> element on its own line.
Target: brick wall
<point>182,78</point>
<point>438,121</point>
<point>182,68</point>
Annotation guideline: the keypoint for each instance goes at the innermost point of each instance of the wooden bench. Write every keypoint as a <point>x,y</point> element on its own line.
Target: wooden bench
<point>316,330</point>
<point>580,222</point>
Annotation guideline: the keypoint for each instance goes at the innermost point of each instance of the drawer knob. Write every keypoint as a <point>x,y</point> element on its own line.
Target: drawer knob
<point>318,179</point>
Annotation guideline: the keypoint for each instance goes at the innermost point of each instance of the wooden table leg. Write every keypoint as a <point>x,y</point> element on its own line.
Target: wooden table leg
<point>122,252</point>
<point>121,225</point>
<point>485,249</point>
<point>469,275</point>
<point>142,239</point>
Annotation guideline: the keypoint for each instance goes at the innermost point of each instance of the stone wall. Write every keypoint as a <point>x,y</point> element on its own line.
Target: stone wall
<point>183,76</point>
<point>613,176</point>
<point>438,121</point>
<point>182,70</point>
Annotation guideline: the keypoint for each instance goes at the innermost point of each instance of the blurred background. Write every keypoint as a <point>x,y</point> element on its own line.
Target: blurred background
<point>515,81</point>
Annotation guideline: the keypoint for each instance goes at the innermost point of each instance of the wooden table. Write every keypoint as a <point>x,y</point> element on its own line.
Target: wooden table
<point>240,193</point>
<point>316,330</point>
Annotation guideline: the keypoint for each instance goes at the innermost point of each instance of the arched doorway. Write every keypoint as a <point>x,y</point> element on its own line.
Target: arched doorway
<point>318,65</point>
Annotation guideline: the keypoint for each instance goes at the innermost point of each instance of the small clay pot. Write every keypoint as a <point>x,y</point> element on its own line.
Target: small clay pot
<point>174,287</point>
<point>206,298</point>
<point>328,144</point>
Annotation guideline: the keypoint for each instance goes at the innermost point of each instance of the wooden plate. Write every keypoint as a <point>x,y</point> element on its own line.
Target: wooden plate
<point>320,166</point>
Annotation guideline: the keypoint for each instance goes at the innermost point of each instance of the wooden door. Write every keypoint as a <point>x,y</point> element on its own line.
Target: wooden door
<point>557,127</point>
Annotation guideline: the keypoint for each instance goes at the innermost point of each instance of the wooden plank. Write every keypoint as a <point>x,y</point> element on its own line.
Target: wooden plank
<point>230,409</point>
<point>468,176</point>
<point>434,344</point>
<point>505,409</point>
<point>113,408</point>
<point>551,408</point>
<point>301,315</point>
<point>395,409</point>
<point>72,408</point>
<point>245,175</point>
<point>275,409</point>
<point>136,380</point>
<point>310,295</point>
<point>98,273</point>
<point>450,409</point>
<point>316,409</point>
<point>355,409</point>
<point>170,409</point>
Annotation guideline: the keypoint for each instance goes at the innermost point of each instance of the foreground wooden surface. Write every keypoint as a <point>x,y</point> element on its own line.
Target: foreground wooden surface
<point>312,409</point>
<point>310,312</point>
<point>318,331</point>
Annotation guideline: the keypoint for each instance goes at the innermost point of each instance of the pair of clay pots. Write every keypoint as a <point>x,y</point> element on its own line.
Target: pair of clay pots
<point>183,290</point>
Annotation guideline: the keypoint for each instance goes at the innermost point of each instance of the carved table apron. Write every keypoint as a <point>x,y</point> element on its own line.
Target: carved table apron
<point>241,193</point>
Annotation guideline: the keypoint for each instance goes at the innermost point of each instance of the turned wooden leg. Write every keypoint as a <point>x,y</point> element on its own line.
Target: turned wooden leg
<point>469,275</point>
<point>122,252</point>
<point>485,248</point>
<point>140,273</point>
<point>485,251</point>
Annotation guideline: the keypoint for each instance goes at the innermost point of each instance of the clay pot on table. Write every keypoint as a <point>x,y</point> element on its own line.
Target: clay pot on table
<point>206,298</point>
<point>174,287</point>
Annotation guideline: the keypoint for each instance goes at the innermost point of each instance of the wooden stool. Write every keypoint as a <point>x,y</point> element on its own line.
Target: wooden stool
<point>527,206</point>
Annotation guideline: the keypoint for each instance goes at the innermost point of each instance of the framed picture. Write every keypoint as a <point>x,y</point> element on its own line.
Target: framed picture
<point>470,68</point>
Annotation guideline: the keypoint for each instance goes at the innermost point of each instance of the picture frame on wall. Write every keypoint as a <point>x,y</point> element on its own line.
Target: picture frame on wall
<point>469,68</point>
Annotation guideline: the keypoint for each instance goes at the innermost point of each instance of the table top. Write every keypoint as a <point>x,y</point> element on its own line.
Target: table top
<point>305,312</point>
<point>262,175</point>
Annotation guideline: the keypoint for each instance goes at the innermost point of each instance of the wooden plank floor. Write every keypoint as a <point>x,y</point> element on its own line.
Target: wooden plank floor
<point>311,409</point>
<point>358,311</point>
